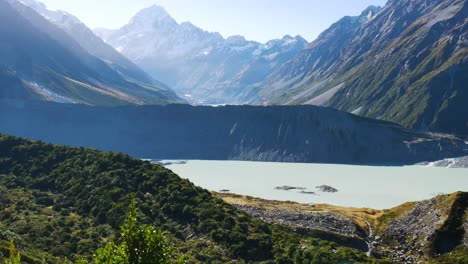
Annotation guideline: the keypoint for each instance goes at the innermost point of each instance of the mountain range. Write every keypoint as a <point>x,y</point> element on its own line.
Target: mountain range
<point>405,62</point>
<point>41,61</point>
<point>202,67</point>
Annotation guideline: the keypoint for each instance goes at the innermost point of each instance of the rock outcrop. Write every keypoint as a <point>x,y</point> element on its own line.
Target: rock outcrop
<point>426,229</point>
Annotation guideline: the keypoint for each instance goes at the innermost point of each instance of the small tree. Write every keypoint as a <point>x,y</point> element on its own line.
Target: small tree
<point>140,244</point>
<point>15,256</point>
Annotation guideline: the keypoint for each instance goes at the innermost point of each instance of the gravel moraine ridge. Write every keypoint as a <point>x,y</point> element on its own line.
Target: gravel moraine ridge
<point>311,221</point>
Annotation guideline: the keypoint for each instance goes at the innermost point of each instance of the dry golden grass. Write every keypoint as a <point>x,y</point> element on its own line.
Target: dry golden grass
<point>378,219</point>
<point>360,216</point>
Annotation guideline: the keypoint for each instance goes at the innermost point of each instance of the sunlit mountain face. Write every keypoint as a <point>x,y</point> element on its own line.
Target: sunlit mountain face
<point>50,65</point>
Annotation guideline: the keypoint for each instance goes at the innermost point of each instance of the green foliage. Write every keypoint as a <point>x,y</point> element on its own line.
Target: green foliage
<point>141,244</point>
<point>458,256</point>
<point>15,256</point>
<point>81,261</point>
<point>70,201</point>
<point>451,233</point>
<point>111,254</point>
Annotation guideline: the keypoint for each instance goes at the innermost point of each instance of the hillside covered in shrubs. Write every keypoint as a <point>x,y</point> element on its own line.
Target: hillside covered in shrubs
<point>60,203</point>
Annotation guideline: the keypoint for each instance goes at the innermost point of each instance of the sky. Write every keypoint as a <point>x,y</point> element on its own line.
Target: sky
<point>259,20</point>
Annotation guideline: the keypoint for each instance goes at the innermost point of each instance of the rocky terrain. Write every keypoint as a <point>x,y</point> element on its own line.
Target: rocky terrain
<point>326,188</point>
<point>321,188</point>
<point>288,188</point>
<point>465,226</point>
<point>411,233</point>
<point>405,62</point>
<point>418,231</point>
<point>276,133</point>
<point>314,221</point>
<point>344,225</point>
<point>461,162</point>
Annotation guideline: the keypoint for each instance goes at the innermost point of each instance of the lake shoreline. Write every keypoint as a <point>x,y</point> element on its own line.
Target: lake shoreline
<point>356,186</point>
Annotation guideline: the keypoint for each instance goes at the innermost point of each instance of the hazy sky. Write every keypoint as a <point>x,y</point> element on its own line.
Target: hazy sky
<point>259,20</point>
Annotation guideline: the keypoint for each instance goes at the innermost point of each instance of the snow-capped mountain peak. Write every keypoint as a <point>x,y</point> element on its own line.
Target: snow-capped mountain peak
<point>194,61</point>
<point>33,3</point>
<point>287,38</point>
<point>236,40</point>
<point>59,17</point>
<point>152,16</point>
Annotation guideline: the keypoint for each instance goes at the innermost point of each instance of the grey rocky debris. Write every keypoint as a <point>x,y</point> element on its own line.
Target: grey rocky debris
<point>288,188</point>
<point>326,188</point>
<point>461,162</point>
<point>327,222</point>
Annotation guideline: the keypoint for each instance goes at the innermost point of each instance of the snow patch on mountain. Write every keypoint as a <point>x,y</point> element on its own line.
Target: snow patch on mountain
<point>50,95</point>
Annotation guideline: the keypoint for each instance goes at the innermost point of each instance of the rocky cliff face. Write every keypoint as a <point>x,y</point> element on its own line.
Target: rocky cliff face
<point>424,229</point>
<point>202,66</point>
<point>282,133</point>
<point>405,62</point>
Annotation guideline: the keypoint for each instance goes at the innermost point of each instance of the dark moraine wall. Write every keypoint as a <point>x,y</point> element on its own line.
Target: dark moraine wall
<point>276,133</point>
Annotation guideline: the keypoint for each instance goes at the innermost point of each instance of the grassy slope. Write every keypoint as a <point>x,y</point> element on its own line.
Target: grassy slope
<point>416,79</point>
<point>410,99</point>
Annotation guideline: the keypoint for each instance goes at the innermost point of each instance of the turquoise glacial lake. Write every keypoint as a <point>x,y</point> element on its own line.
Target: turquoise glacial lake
<point>377,187</point>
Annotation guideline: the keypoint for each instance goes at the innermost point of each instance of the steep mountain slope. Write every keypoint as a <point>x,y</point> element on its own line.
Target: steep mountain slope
<point>69,201</point>
<point>92,43</point>
<point>318,56</point>
<point>222,75</point>
<point>419,231</point>
<point>280,133</point>
<point>406,63</point>
<point>54,67</point>
<point>201,65</point>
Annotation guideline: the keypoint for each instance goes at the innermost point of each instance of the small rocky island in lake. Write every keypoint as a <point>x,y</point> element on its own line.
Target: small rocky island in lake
<point>326,188</point>
<point>169,163</point>
<point>307,192</point>
<point>289,188</point>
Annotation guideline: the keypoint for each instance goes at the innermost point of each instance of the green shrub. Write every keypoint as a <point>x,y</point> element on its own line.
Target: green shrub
<point>140,244</point>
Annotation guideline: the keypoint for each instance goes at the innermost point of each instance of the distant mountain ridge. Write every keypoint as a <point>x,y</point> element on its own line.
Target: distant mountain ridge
<point>91,43</point>
<point>201,65</point>
<point>46,63</point>
<point>273,133</point>
<point>406,62</point>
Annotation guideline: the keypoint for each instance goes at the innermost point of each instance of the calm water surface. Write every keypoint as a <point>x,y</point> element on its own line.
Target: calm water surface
<point>358,186</point>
